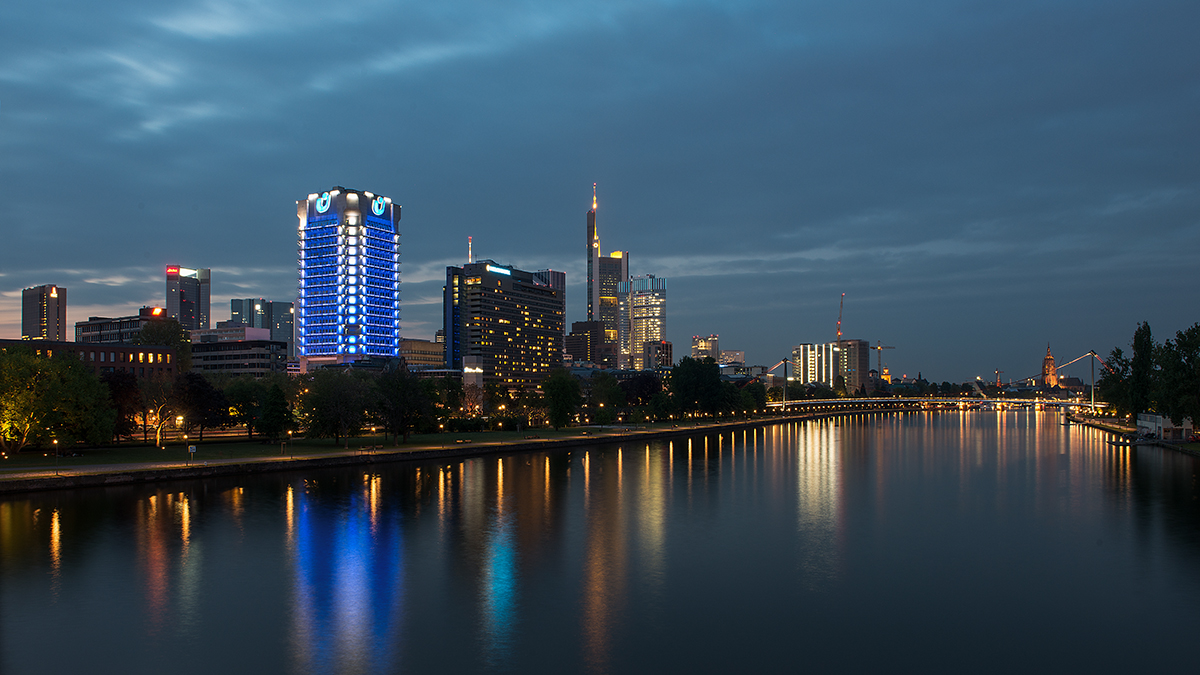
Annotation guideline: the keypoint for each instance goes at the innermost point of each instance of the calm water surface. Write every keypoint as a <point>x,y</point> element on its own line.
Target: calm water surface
<point>934,541</point>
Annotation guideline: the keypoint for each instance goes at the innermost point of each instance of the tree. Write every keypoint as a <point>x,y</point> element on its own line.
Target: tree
<point>562,396</point>
<point>274,416</point>
<point>168,333</point>
<point>245,395</point>
<point>126,399</point>
<point>82,408</point>
<point>158,404</point>
<point>606,397</point>
<point>201,404</point>
<point>400,402</point>
<point>746,402</point>
<point>446,394</point>
<point>44,399</point>
<point>1113,385</point>
<point>757,391</point>
<point>1179,376</point>
<point>473,398</point>
<point>661,406</point>
<point>839,386</point>
<point>639,388</point>
<point>335,403</point>
<point>532,407</point>
<point>731,398</point>
<point>1141,371</point>
<point>696,384</point>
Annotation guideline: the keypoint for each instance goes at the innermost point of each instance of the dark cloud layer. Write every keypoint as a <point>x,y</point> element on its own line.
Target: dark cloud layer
<point>979,179</point>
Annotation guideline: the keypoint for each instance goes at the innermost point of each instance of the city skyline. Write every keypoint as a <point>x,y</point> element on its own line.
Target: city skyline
<point>977,183</point>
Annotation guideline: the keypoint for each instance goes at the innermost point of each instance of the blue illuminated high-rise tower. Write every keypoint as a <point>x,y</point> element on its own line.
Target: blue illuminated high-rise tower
<point>348,306</point>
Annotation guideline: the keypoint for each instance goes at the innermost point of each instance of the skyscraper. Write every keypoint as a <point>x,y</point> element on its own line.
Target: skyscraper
<point>187,296</point>
<point>854,364</point>
<point>593,264</point>
<point>605,272</point>
<point>823,363</point>
<point>44,313</point>
<point>706,346</point>
<point>506,320</point>
<point>349,265</point>
<point>643,316</point>
<point>583,342</point>
<point>279,317</point>
<point>804,363</point>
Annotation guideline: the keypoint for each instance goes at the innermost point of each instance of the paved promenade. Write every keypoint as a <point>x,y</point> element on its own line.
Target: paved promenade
<point>87,475</point>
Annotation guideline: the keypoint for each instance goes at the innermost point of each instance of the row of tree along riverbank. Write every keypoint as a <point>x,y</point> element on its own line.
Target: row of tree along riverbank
<point>120,474</point>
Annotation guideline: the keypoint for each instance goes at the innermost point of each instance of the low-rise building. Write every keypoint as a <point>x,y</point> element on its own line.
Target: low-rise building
<point>1163,428</point>
<point>423,354</point>
<point>140,360</point>
<point>121,330</point>
<point>240,357</point>
<point>231,331</point>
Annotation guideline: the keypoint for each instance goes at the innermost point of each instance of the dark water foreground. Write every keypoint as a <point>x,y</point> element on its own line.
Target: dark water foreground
<point>937,542</point>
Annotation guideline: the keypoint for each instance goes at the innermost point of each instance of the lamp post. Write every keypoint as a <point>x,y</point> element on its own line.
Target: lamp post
<point>56,457</point>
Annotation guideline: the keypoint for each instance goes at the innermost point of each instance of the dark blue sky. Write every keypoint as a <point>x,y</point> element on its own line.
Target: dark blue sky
<point>979,178</point>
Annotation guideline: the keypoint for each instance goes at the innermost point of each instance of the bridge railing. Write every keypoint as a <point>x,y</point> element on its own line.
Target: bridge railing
<point>881,404</point>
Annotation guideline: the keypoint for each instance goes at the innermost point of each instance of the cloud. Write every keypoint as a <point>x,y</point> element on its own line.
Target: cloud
<point>115,280</point>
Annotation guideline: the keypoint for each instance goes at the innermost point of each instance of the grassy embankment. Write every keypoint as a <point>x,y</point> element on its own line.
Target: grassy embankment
<point>227,449</point>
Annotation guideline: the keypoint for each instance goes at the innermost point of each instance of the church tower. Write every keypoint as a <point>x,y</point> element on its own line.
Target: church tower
<point>1049,372</point>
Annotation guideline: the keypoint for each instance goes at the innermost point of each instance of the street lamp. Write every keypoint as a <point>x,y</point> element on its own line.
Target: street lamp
<point>56,457</point>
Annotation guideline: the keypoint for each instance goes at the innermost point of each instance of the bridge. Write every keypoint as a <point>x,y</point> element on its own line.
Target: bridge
<point>857,405</point>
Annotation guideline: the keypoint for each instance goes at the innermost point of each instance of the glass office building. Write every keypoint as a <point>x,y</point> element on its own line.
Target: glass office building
<point>507,321</point>
<point>188,296</point>
<point>643,317</point>
<point>348,306</point>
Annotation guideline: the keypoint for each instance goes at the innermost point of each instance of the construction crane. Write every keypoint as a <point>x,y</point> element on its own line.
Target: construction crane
<point>841,305</point>
<point>879,347</point>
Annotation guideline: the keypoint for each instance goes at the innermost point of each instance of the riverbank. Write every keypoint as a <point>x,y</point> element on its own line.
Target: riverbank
<point>50,478</point>
<point>1124,432</point>
<point>434,447</point>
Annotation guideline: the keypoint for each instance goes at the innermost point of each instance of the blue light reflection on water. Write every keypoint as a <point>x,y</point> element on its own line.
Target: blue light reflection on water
<point>499,584</point>
<point>942,538</point>
<point>348,589</point>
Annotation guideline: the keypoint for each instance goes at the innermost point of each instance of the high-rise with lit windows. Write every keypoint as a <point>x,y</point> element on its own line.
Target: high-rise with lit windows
<point>706,347</point>
<point>44,313</point>
<point>279,317</point>
<point>643,317</point>
<point>348,305</point>
<point>605,274</point>
<point>187,296</point>
<point>507,321</point>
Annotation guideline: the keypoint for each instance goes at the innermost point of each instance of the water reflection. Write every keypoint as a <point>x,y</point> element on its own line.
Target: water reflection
<point>604,575</point>
<point>571,558</point>
<point>347,562</point>
<point>818,501</point>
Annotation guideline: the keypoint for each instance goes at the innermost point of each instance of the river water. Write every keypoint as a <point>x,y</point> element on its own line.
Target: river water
<point>939,542</point>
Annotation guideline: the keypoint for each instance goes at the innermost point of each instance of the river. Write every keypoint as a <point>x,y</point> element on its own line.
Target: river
<point>939,541</point>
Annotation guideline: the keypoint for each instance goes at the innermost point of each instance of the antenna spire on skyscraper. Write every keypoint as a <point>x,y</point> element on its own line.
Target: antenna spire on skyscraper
<point>593,196</point>
<point>470,254</point>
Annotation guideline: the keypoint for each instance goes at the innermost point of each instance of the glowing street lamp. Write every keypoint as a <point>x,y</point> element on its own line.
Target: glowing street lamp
<point>56,457</point>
